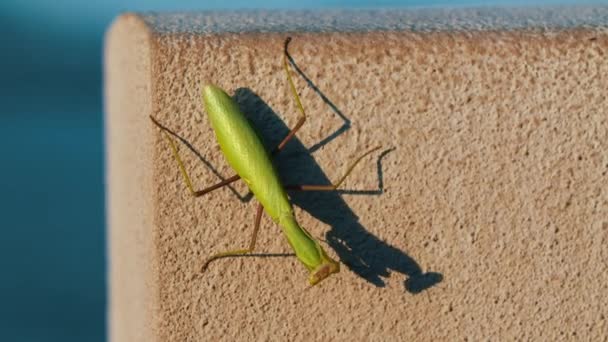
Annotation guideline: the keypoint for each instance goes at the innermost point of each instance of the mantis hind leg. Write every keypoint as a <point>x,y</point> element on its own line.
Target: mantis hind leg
<point>301,120</point>
<point>332,186</point>
<point>292,87</point>
<point>256,228</point>
<point>182,168</point>
<point>276,150</point>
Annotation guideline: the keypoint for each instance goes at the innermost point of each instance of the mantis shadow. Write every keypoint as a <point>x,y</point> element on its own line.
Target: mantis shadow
<point>358,249</point>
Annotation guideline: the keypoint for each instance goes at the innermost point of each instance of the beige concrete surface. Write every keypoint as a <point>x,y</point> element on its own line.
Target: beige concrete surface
<point>484,216</point>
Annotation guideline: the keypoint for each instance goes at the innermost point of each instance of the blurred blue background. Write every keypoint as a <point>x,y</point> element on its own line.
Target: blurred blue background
<point>52,247</point>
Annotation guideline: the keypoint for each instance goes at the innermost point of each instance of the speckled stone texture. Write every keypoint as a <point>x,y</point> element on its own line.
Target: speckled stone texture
<point>483,217</point>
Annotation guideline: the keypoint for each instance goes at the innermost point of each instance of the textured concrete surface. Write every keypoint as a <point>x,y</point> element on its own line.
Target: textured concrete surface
<point>485,215</point>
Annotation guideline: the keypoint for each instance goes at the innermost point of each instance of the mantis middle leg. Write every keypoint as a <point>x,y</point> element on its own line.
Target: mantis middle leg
<point>256,227</point>
<point>332,186</point>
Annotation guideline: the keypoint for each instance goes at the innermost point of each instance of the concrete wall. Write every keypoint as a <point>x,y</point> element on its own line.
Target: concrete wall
<point>484,215</point>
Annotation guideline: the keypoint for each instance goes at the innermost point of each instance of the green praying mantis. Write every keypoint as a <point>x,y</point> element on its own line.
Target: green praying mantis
<point>246,154</point>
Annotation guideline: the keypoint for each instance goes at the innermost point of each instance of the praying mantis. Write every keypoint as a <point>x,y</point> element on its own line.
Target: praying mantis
<point>247,155</point>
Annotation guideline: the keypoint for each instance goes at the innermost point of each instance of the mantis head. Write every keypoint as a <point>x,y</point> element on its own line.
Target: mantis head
<point>308,250</point>
<point>323,271</point>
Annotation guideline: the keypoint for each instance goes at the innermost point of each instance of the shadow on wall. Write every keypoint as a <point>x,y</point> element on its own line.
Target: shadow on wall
<point>362,252</point>
<point>359,250</point>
